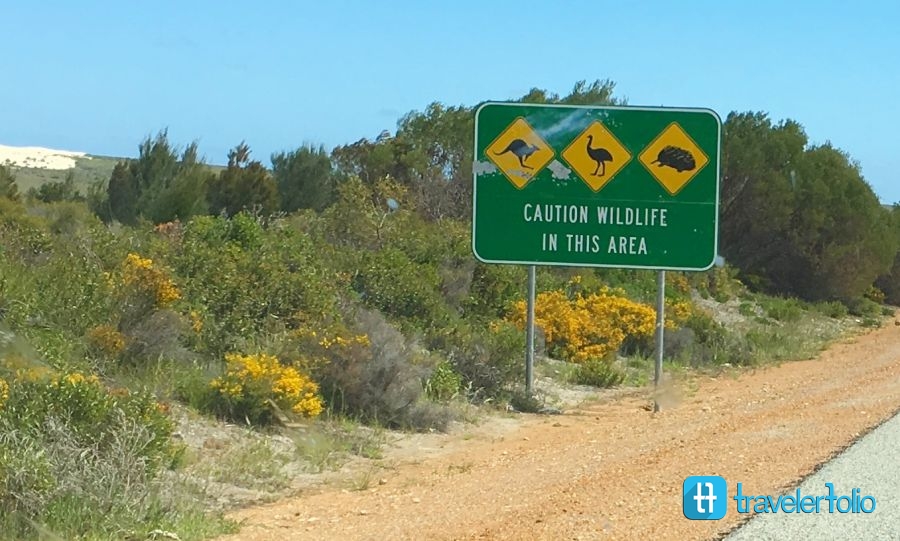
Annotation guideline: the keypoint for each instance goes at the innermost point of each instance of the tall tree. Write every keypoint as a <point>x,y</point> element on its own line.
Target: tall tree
<point>305,178</point>
<point>889,282</point>
<point>8,186</point>
<point>122,194</point>
<point>159,185</point>
<point>759,162</point>
<point>842,235</point>
<point>244,184</point>
<point>431,152</point>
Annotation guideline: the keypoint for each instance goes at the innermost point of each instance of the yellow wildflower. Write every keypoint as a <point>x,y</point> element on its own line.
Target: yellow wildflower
<point>4,392</point>
<point>196,322</point>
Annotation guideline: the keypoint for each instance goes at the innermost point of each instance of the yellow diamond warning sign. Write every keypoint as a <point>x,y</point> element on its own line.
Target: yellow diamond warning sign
<point>519,152</point>
<point>673,158</point>
<point>596,155</point>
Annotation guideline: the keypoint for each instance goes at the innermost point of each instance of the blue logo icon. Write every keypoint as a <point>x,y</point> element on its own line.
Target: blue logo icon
<point>704,497</point>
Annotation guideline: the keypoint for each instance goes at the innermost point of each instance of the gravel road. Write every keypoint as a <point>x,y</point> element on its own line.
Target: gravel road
<point>872,465</point>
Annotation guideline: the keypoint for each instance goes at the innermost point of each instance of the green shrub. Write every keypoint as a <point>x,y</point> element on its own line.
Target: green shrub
<point>712,344</point>
<point>872,322</point>
<point>747,309</point>
<point>874,294</point>
<point>832,309</point>
<point>78,458</point>
<point>489,360</point>
<point>494,288</point>
<point>444,383</point>
<point>389,281</point>
<point>383,381</point>
<point>89,411</point>
<point>786,310</point>
<point>598,372</point>
<point>521,401</point>
<point>863,307</point>
<point>248,279</point>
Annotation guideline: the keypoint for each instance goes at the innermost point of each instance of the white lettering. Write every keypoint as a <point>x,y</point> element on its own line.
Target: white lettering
<point>556,213</point>
<point>627,245</point>
<point>640,217</point>
<point>583,243</point>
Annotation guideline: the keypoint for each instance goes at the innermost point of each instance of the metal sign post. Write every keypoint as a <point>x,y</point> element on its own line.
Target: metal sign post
<point>660,334</point>
<point>529,333</point>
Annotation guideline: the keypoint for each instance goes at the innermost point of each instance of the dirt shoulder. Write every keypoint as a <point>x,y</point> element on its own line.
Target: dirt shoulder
<point>610,469</point>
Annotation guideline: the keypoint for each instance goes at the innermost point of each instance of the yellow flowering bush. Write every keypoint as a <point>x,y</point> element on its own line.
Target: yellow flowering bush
<point>677,313</point>
<point>251,380</point>
<point>140,274</point>
<point>678,282</point>
<point>32,374</point>
<point>106,340</point>
<point>587,326</point>
<point>323,343</point>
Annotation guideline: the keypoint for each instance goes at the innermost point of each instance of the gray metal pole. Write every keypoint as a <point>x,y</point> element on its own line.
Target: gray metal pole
<point>660,334</point>
<point>529,333</point>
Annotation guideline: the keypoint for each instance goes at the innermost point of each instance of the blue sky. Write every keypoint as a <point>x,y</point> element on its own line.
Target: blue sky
<point>98,76</point>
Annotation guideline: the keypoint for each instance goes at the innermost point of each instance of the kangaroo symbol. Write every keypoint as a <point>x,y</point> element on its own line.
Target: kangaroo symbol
<point>521,149</point>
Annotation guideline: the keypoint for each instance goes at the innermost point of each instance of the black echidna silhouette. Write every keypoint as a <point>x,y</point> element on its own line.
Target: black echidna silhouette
<point>677,158</point>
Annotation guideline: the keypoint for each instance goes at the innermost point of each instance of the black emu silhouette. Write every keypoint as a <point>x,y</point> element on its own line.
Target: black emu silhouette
<point>599,155</point>
<point>521,149</point>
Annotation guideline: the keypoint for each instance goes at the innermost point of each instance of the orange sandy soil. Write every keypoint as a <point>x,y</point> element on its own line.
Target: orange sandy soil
<point>613,469</point>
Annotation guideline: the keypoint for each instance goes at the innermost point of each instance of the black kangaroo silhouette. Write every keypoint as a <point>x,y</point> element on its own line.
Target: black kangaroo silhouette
<point>599,155</point>
<point>521,149</point>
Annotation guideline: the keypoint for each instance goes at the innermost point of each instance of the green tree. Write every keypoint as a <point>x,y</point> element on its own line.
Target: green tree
<point>600,92</point>
<point>759,162</point>
<point>159,185</point>
<point>372,161</point>
<point>305,178</point>
<point>842,236</point>
<point>122,194</point>
<point>431,152</point>
<point>889,282</point>
<point>8,186</point>
<point>244,184</point>
<point>51,192</point>
<point>181,195</point>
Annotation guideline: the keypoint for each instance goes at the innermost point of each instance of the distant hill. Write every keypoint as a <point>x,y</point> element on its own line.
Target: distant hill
<point>34,166</point>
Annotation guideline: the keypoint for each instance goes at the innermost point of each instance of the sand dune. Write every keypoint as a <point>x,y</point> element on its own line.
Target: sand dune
<point>38,157</point>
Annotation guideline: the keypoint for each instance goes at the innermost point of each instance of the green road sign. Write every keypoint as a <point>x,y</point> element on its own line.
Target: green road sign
<point>634,187</point>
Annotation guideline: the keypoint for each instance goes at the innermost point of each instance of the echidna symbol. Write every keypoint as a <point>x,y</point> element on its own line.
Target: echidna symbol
<point>677,158</point>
